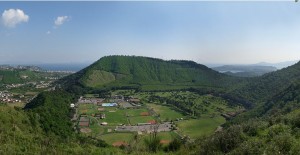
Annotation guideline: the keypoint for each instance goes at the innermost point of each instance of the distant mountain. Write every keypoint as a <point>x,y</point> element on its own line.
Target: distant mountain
<point>279,65</point>
<point>145,73</point>
<point>245,70</point>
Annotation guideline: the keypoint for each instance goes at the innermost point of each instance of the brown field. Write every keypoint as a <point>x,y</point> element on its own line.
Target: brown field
<point>85,130</point>
<point>152,121</point>
<point>144,114</point>
<point>164,141</point>
<point>119,143</point>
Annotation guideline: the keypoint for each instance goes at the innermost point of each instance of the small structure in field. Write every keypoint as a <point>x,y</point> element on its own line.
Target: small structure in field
<point>101,109</point>
<point>104,123</point>
<point>134,100</point>
<point>109,104</point>
<point>101,116</point>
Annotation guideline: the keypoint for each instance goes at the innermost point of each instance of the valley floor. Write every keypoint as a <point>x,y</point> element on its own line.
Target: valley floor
<point>118,124</point>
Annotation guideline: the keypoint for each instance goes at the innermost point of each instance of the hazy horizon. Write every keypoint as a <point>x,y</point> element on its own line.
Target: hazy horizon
<point>90,62</point>
<point>205,32</point>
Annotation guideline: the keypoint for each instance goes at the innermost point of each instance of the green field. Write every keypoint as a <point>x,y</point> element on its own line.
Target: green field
<point>110,138</point>
<point>135,112</point>
<point>141,119</point>
<point>200,127</point>
<point>91,95</point>
<point>115,118</point>
<point>208,119</point>
<point>88,109</point>
<point>165,112</point>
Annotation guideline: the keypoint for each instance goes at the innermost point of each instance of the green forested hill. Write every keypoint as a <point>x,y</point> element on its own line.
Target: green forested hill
<point>260,89</point>
<point>8,77</point>
<point>147,73</point>
<point>44,127</point>
<point>271,127</point>
<point>53,112</point>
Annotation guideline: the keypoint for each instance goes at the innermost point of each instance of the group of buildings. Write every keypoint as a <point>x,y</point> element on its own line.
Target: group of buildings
<point>115,101</point>
<point>8,97</point>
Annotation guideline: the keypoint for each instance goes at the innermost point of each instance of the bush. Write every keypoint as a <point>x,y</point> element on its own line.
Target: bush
<point>252,146</point>
<point>174,145</point>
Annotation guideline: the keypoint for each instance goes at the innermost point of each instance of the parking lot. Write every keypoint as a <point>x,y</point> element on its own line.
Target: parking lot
<point>146,128</point>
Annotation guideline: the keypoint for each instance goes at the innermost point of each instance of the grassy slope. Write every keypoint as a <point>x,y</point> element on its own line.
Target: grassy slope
<point>97,78</point>
<point>165,112</point>
<point>200,127</point>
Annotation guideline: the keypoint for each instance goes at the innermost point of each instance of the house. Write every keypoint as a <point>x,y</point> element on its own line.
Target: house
<point>134,100</point>
<point>101,116</point>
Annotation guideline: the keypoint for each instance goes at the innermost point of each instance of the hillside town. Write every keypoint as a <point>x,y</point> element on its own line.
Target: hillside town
<point>7,97</point>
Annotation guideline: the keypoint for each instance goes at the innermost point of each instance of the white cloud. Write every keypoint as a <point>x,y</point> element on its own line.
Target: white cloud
<point>12,17</point>
<point>48,32</point>
<point>60,20</point>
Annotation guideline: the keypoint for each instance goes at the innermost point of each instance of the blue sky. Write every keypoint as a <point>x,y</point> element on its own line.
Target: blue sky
<point>206,32</point>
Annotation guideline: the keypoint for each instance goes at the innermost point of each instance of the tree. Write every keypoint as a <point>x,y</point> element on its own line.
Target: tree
<point>153,142</point>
